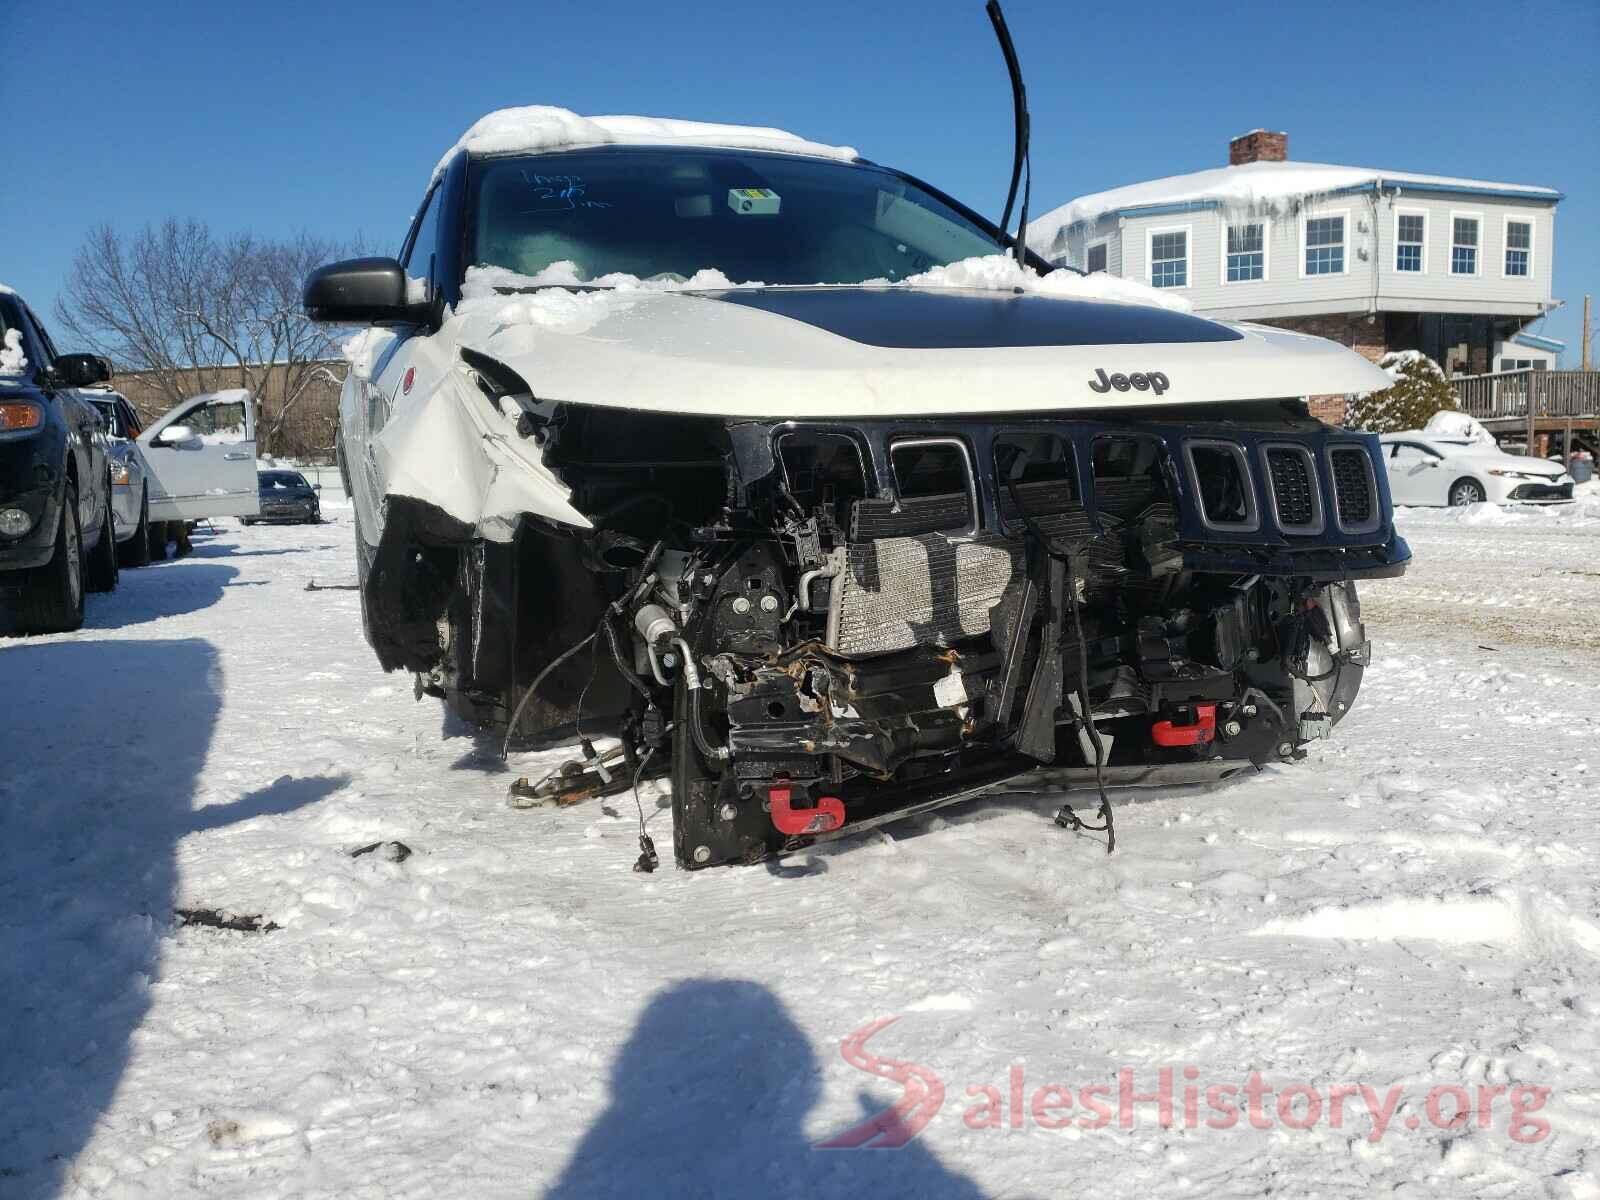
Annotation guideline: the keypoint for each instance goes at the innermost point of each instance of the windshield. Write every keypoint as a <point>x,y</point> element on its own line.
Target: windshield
<point>282,479</point>
<point>668,212</point>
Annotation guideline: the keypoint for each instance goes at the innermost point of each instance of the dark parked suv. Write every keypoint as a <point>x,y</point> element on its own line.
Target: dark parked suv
<point>56,538</point>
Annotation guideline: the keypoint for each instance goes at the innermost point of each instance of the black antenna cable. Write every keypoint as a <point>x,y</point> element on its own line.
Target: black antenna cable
<point>1020,124</point>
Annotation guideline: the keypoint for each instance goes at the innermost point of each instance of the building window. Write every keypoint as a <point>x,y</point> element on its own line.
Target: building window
<point>1097,258</point>
<point>1169,259</point>
<point>1247,255</point>
<point>1464,246</point>
<point>1519,247</point>
<point>1408,241</point>
<point>1325,246</point>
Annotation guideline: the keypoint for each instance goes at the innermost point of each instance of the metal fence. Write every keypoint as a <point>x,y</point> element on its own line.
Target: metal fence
<point>1503,394</point>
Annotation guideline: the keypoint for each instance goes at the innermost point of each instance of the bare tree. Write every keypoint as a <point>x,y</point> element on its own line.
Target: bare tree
<point>194,312</point>
<point>131,301</point>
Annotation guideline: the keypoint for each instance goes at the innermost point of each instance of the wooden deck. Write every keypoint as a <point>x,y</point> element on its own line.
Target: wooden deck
<point>1530,403</point>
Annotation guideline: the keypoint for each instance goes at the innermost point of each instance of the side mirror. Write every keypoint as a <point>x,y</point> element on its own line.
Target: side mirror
<point>316,487</point>
<point>363,291</point>
<point>81,370</point>
<point>175,435</point>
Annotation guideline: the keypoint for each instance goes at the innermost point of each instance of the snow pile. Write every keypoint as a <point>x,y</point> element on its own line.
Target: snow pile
<point>488,283</point>
<point>1395,363</point>
<point>1271,188</point>
<point>537,128</point>
<point>1472,920</point>
<point>1002,273</point>
<point>546,298</point>
<point>1582,513</point>
<point>12,360</point>
<point>1458,425</point>
<point>553,305</point>
<point>361,351</point>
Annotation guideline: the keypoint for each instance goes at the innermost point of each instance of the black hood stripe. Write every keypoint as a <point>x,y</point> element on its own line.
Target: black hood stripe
<point>967,319</point>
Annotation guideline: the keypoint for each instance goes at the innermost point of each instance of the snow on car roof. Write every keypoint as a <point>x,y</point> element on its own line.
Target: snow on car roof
<point>541,127</point>
<point>225,395</point>
<point>1258,187</point>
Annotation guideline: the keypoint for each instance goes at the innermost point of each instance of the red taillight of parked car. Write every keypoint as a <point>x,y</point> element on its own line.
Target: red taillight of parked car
<point>18,415</point>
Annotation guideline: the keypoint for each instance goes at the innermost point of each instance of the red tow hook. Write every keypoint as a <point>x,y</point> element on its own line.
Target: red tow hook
<point>1204,729</point>
<point>827,816</point>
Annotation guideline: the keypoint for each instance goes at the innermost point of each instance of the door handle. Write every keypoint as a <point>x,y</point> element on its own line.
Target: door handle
<point>235,456</point>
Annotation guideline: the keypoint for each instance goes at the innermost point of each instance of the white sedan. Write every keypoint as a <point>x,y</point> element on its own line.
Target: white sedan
<point>1427,469</point>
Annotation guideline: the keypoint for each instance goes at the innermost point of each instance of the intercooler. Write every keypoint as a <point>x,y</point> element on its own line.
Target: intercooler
<point>929,588</point>
<point>894,593</point>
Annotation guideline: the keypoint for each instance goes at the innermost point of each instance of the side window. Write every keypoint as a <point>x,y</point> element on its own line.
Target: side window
<point>222,420</point>
<point>1408,454</point>
<point>424,240</point>
<point>45,343</point>
<point>130,420</point>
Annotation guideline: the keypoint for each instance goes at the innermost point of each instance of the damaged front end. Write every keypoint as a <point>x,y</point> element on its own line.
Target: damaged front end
<point>822,625</point>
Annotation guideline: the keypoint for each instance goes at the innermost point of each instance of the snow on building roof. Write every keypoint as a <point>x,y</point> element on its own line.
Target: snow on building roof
<point>542,127</point>
<point>1256,187</point>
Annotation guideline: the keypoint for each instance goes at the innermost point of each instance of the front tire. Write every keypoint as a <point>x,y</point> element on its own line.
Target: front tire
<point>101,575</point>
<point>135,552</point>
<point>1466,491</point>
<point>52,597</point>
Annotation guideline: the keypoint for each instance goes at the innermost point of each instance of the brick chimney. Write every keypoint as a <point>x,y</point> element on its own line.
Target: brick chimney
<point>1259,145</point>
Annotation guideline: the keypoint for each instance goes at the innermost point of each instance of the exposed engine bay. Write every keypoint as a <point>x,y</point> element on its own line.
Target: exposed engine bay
<point>819,626</point>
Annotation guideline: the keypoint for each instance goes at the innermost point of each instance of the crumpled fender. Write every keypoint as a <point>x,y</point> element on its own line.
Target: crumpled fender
<point>451,447</point>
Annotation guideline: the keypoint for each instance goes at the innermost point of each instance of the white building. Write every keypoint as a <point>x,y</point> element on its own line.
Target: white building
<point>1378,260</point>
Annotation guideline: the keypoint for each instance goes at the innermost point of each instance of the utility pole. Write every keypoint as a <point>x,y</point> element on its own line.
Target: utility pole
<point>1586,328</point>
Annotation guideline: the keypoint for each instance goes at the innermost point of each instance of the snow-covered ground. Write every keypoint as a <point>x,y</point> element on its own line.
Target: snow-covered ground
<point>510,1009</point>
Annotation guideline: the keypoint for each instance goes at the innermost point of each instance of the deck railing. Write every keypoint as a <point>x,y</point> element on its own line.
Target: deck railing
<point>1503,394</point>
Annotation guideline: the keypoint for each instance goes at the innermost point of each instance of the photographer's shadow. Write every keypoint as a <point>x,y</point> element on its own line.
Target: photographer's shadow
<point>709,1098</point>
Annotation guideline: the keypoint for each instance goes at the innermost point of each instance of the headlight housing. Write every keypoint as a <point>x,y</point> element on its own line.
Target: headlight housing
<point>20,416</point>
<point>1506,474</point>
<point>119,473</point>
<point>14,522</point>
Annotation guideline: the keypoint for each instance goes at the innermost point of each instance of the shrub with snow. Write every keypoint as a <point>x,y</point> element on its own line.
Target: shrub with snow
<point>1419,391</point>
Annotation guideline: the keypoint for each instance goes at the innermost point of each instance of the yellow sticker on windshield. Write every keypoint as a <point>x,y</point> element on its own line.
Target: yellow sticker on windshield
<point>754,202</point>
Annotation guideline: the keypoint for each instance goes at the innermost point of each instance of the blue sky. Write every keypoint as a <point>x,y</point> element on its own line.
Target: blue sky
<point>279,116</point>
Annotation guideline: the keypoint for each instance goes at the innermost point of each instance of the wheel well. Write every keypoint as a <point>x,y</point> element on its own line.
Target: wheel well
<point>1473,480</point>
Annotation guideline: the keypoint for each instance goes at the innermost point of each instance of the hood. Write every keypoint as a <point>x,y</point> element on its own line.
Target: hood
<point>872,351</point>
<point>1515,462</point>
